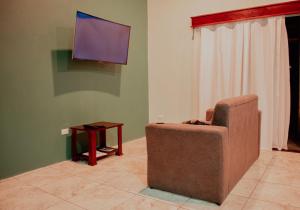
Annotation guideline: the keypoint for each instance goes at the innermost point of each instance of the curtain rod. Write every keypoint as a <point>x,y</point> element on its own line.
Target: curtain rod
<point>285,8</point>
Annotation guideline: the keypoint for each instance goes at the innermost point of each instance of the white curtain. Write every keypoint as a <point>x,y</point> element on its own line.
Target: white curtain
<point>242,58</point>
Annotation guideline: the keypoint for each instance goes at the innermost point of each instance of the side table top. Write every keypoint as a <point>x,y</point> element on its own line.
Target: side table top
<point>103,124</point>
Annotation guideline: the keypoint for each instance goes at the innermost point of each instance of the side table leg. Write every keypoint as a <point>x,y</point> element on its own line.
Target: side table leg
<point>92,147</point>
<point>120,152</point>
<point>74,145</point>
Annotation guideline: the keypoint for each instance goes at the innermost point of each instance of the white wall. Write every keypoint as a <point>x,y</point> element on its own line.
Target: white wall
<point>170,52</point>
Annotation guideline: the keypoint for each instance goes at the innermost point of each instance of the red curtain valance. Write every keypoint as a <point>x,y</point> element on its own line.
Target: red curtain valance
<point>285,8</point>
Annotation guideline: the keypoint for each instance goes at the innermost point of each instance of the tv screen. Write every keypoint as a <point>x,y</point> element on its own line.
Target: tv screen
<point>101,40</point>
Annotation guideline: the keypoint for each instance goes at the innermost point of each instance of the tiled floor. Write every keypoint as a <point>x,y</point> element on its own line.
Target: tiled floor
<point>272,183</point>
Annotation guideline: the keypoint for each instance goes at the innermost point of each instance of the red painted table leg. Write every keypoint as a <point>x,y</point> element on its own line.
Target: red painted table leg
<point>74,145</point>
<point>92,147</point>
<point>119,152</point>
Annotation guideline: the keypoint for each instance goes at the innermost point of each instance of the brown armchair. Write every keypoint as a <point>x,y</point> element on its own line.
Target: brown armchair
<point>205,161</point>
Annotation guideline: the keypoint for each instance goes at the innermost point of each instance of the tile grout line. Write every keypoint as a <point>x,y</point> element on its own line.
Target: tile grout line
<point>268,166</point>
<point>178,206</point>
<point>267,201</point>
<point>59,199</point>
<point>286,185</point>
<point>259,181</point>
<point>147,197</point>
<point>124,201</point>
<point>17,176</point>
<point>101,184</point>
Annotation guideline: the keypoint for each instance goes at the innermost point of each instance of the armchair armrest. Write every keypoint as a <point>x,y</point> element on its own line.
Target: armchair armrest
<point>180,152</point>
<point>209,114</point>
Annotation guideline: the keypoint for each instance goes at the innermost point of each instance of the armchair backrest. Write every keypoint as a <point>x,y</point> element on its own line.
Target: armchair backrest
<point>240,115</point>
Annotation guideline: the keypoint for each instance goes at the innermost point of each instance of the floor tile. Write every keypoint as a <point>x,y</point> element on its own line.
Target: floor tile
<point>253,204</point>
<point>265,157</point>
<point>287,155</point>
<point>70,167</point>
<point>286,163</point>
<point>119,182</point>
<point>63,205</point>
<point>244,187</point>
<point>296,181</point>
<point>43,176</point>
<point>278,175</point>
<point>256,171</point>
<point>27,197</point>
<point>113,167</point>
<point>142,203</point>
<point>110,162</point>
<point>129,182</point>
<point>126,164</point>
<point>9,187</point>
<point>281,194</point>
<point>100,175</point>
<point>68,187</point>
<point>100,197</point>
<point>232,202</point>
<point>135,165</point>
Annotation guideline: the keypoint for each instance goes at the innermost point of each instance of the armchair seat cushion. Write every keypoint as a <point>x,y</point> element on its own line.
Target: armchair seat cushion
<point>197,122</point>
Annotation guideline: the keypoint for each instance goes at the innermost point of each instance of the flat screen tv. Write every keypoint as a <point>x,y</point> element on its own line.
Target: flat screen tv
<point>97,39</point>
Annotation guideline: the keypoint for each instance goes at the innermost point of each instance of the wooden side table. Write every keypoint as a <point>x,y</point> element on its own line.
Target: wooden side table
<point>92,130</point>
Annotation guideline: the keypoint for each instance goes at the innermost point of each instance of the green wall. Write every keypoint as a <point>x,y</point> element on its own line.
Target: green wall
<point>42,90</point>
